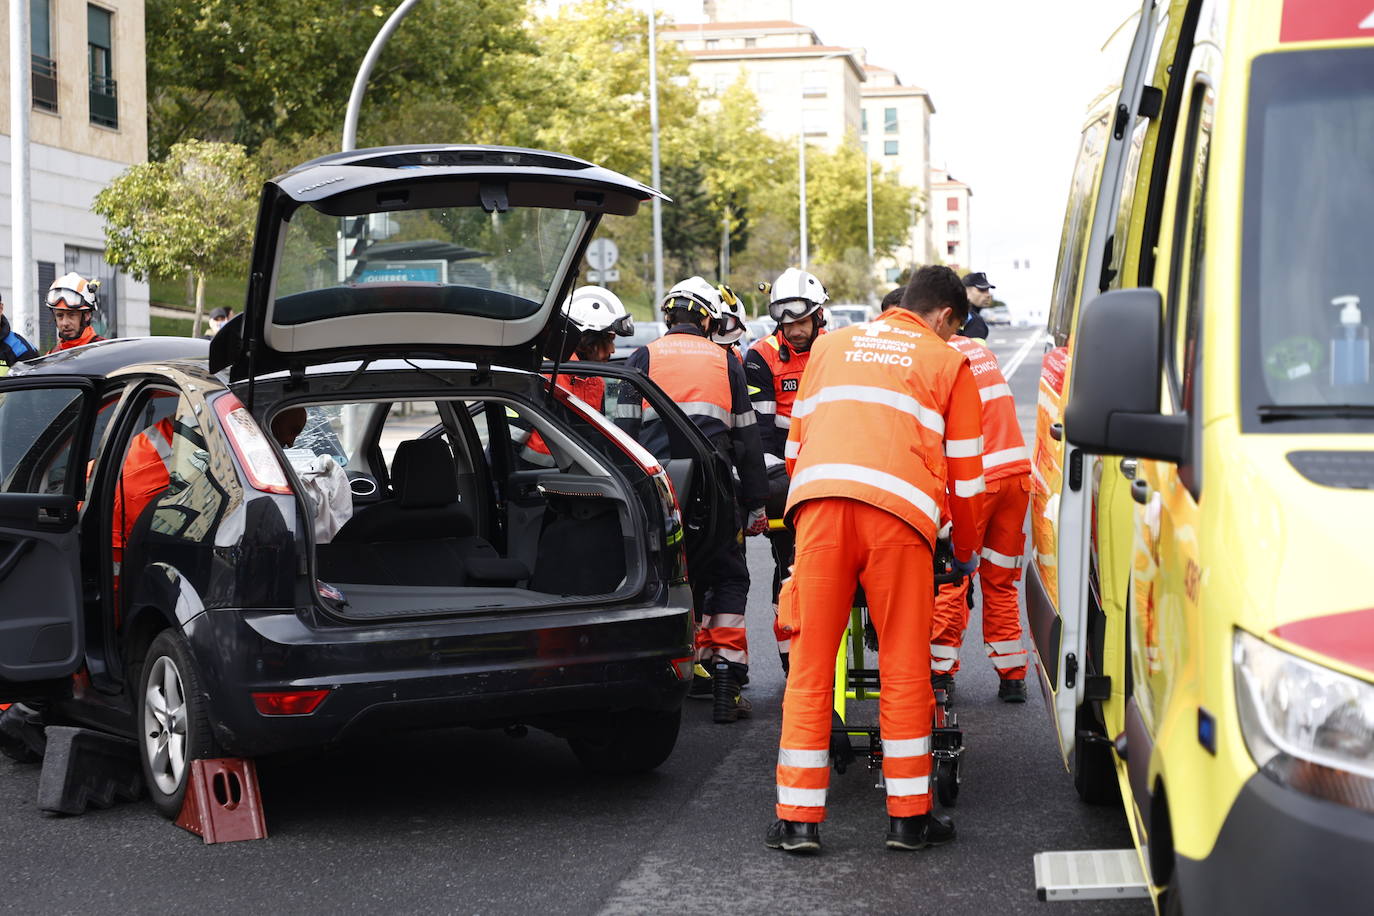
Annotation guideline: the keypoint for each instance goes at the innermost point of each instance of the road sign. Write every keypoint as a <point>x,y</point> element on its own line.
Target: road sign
<point>405,272</point>
<point>603,276</point>
<point>602,254</point>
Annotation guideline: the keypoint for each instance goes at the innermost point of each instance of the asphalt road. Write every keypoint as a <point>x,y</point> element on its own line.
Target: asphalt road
<point>476,822</point>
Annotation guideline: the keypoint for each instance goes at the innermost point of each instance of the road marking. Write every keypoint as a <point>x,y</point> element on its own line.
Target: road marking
<point>1020,357</point>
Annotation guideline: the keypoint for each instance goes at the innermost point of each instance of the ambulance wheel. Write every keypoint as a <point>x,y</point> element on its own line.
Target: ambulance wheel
<point>947,781</point>
<point>173,722</point>
<point>633,741</point>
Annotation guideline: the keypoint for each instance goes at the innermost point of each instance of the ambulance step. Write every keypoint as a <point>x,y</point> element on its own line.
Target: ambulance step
<point>1090,874</point>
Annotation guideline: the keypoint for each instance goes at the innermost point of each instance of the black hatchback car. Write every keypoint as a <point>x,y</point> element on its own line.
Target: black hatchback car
<point>364,508</point>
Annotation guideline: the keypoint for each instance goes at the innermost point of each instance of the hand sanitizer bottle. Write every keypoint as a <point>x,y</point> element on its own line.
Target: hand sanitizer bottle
<point>1350,346</point>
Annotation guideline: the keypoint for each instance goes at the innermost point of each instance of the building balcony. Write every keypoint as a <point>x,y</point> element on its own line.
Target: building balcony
<point>104,101</point>
<point>44,83</point>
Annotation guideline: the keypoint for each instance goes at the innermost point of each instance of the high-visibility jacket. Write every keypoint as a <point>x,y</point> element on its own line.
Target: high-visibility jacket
<point>1004,451</point>
<point>591,389</point>
<point>13,347</point>
<point>87,336</point>
<point>887,414</point>
<point>709,386</point>
<point>774,372</point>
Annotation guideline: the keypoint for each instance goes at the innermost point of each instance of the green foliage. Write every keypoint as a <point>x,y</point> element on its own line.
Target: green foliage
<point>192,211</point>
<point>169,327</point>
<point>837,204</point>
<point>247,70</point>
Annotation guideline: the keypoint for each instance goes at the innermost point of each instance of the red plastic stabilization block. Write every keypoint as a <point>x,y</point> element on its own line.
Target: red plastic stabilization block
<point>222,803</point>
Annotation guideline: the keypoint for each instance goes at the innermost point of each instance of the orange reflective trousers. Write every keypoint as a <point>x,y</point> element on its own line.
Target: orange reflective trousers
<point>1003,536</point>
<point>841,543</point>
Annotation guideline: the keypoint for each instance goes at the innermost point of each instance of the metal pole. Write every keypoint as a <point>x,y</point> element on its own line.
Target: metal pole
<point>655,178</point>
<point>355,98</point>
<point>868,182</point>
<point>801,193</point>
<point>23,299</point>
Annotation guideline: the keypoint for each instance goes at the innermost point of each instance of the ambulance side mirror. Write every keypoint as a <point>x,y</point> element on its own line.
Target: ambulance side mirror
<point>1115,380</point>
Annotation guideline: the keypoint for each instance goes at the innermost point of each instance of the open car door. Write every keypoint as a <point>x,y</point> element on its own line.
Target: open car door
<point>45,424</point>
<point>1059,626</point>
<point>701,475</point>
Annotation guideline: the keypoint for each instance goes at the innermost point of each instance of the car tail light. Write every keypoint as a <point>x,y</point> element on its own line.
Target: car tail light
<point>253,449</point>
<point>682,667</point>
<point>289,702</point>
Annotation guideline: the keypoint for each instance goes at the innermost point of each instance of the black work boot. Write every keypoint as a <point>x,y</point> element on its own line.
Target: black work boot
<point>944,682</point>
<point>701,683</point>
<point>793,836</point>
<point>1012,690</point>
<point>912,833</point>
<point>728,704</point>
<point>22,738</point>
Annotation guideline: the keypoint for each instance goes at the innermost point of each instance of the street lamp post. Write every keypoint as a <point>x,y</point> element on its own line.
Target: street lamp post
<point>654,163</point>
<point>868,191</point>
<point>22,297</point>
<point>801,161</point>
<point>355,98</point>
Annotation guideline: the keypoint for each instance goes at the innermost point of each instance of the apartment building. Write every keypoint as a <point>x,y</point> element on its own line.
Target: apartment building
<point>87,125</point>
<point>895,130</point>
<point>951,203</point>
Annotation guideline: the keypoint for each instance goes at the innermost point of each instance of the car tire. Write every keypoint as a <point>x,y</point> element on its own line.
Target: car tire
<point>173,721</point>
<point>635,741</point>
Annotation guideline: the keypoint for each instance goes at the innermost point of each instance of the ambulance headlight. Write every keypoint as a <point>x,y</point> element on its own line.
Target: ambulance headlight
<point>1308,727</point>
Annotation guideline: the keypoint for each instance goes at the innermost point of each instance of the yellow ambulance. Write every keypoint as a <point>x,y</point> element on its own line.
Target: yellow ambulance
<point>1201,587</point>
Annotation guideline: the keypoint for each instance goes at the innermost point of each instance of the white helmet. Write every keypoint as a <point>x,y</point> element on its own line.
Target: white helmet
<point>729,327</point>
<point>694,294</point>
<point>73,291</point>
<point>594,308</point>
<point>796,294</point>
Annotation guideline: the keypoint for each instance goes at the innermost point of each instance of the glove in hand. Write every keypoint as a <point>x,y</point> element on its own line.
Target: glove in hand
<point>757,523</point>
<point>966,567</point>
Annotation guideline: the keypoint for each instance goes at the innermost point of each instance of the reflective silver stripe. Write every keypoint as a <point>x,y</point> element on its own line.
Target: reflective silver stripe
<point>738,656</point>
<point>992,392</point>
<point>700,409</point>
<point>915,785</point>
<point>801,798</point>
<point>1004,647</point>
<point>943,651</point>
<point>160,445</point>
<point>533,456</point>
<point>1005,456</point>
<point>963,448</point>
<point>872,394</point>
<point>782,422</point>
<point>889,483</point>
<point>942,665</point>
<point>906,747</point>
<point>966,488</point>
<point>628,411</point>
<point>1009,661</point>
<point>1000,559</point>
<point>722,620</point>
<point>765,406</point>
<point>791,757</point>
<point>791,448</point>
<point>742,420</point>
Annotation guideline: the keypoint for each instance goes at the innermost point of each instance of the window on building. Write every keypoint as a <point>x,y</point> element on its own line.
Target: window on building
<point>814,83</point>
<point>99,41</point>
<point>951,203</point>
<point>951,248</point>
<point>889,147</point>
<point>751,42</point>
<point>889,120</point>
<point>952,228</point>
<point>863,121</point>
<point>44,67</point>
<point>815,122</point>
<point>712,43</point>
<point>90,262</point>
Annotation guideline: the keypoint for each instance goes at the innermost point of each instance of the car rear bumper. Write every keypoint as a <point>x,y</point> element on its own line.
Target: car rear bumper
<point>1280,851</point>
<point>548,669</point>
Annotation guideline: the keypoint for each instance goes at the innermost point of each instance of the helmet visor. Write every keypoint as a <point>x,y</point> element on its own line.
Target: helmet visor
<point>67,299</point>
<point>624,326</point>
<point>790,309</point>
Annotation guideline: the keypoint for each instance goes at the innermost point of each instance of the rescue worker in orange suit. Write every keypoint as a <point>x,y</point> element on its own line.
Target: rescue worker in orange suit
<point>709,386</point>
<point>886,430</point>
<point>774,368</point>
<point>72,301</point>
<point>1002,540</point>
<point>145,474</point>
<point>599,317</point>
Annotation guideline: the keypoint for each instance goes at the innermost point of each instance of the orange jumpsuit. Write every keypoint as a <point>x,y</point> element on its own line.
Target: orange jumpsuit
<point>885,430</point>
<point>142,479</point>
<point>1001,530</point>
<point>590,389</point>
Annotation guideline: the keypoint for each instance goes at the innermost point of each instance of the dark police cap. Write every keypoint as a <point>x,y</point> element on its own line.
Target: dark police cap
<point>978,279</point>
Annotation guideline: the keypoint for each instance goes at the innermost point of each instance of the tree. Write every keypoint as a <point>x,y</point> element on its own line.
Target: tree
<point>193,211</point>
<point>837,204</point>
<point>247,70</point>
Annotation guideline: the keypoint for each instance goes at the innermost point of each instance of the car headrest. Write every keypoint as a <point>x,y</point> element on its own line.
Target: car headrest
<point>422,474</point>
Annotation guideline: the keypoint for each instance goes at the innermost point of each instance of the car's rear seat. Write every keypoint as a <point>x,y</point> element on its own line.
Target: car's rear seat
<point>423,536</point>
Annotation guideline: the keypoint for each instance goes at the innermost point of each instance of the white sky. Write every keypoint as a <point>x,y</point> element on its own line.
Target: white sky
<point>1011,81</point>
